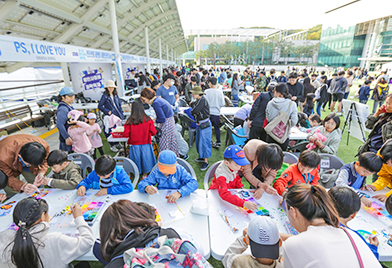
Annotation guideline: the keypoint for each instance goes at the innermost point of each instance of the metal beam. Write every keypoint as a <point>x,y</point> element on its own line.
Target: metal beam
<point>162,35</point>
<point>99,43</point>
<point>137,11</point>
<point>163,26</point>
<point>6,9</point>
<point>52,10</point>
<point>75,27</point>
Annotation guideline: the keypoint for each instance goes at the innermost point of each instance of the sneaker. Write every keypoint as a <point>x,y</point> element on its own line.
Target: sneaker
<point>114,149</point>
<point>185,157</point>
<point>204,166</point>
<point>217,145</point>
<point>332,112</point>
<point>199,160</point>
<point>339,114</point>
<point>119,146</point>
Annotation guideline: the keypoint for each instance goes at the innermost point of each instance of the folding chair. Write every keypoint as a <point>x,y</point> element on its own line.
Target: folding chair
<point>289,158</point>
<point>185,165</point>
<point>129,167</point>
<point>84,161</point>
<point>210,174</point>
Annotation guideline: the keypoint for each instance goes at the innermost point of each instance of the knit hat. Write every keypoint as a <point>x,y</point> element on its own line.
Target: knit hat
<point>91,116</point>
<point>264,238</point>
<point>197,90</point>
<point>237,154</point>
<point>167,162</point>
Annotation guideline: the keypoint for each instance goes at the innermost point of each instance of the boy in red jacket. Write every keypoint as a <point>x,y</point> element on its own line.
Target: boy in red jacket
<point>305,171</point>
<point>226,177</point>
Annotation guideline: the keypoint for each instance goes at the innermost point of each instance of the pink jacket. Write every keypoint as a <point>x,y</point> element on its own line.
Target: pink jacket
<point>94,137</point>
<point>80,141</point>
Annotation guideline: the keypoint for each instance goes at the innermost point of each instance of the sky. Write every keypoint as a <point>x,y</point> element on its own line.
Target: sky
<point>281,14</point>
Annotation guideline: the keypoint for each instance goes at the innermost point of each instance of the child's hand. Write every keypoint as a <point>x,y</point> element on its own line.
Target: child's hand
<point>381,197</point>
<point>173,197</point>
<point>246,237</point>
<point>366,202</point>
<point>76,210</point>
<point>370,188</point>
<point>259,193</point>
<point>151,190</point>
<point>38,179</point>
<point>312,138</point>
<point>102,192</point>
<point>373,240</point>
<point>81,191</point>
<point>271,190</point>
<point>3,197</point>
<point>250,205</point>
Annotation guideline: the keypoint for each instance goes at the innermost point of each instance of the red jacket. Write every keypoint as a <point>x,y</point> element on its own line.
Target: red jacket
<point>292,176</point>
<point>140,134</point>
<point>225,179</point>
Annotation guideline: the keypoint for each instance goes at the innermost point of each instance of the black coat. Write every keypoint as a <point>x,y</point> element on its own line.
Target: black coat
<point>296,90</point>
<point>257,113</point>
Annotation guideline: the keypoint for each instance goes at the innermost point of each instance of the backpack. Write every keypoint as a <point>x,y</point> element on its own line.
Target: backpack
<point>171,252</point>
<point>279,127</point>
<point>273,79</point>
<point>384,93</point>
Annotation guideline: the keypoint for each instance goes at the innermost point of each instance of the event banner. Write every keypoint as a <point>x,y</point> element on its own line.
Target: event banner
<point>21,49</point>
<point>90,78</point>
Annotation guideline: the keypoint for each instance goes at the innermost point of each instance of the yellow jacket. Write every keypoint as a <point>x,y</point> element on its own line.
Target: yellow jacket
<point>384,178</point>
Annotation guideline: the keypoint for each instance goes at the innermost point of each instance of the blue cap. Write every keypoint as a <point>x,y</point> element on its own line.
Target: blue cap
<point>237,154</point>
<point>167,161</point>
<point>67,91</point>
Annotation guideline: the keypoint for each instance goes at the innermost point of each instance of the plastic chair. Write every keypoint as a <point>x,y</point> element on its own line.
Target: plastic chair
<point>84,161</point>
<point>129,167</point>
<point>230,133</point>
<point>227,120</point>
<point>185,165</point>
<point>210,174</point>
<point>182,103</point>
<point>185,122</point>
<point>329,161</point>
<point>289,158</point>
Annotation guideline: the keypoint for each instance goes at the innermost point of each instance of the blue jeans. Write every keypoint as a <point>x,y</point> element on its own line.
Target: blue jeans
<point>318,109</point>
<point>346,95</point>
<point>235,100</point>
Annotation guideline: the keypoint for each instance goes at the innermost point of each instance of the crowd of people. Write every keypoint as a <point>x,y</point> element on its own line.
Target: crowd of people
<point>320,217</point>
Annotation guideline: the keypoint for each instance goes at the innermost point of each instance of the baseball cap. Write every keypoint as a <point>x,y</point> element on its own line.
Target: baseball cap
<point>91,116</point>
<point>67,91</point>
<point>237,154</point>
<point>264,238</point>
<point>167,161</point>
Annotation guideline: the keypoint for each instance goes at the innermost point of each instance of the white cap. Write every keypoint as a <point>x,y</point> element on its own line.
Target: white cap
<point>264,238</point>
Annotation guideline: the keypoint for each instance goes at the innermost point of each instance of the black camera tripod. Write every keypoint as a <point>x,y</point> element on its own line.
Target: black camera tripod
<point>349,119</point>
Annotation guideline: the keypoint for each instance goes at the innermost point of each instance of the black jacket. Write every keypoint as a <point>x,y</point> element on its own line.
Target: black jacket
<point>257,113</point>
<point>201,109</point>
<point>137,241</point>
<point>323,93</point>
<point>296,90</point>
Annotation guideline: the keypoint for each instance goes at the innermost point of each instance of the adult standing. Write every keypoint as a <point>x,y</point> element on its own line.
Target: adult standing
<point>257,115</point>
<point>223,76</point>
<point>321,94</point>
<point>189,87</point>
<point>311,212</point>
<point>110,104</point>
<point>338,87</point>
<point>23,154</point>
<point>143,82</point>
<point>216,101</point>
<point>349,79</point>
<point>242,115</point>
<point>296,89</point>
<point>201,112</point>
<point>169,92</point>
<point>261,82</point>
<point>165,120</point>
<point>380,92</point>
<point>236,86</point>
<point>281,102</point>
<point>308,89</point>
<point>65,99</point>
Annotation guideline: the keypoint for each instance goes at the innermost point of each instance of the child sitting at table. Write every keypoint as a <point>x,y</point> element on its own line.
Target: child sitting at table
<point>226,177</point>
<point>107,178</point>
<point>314,122</point>
<point>169,175</point>
<point>3,184</point>
<point>305,171</point>
<point>139,128</point>
<point>354,174</point>
<point>31,244</point>
<point>66,174</point>
<point>347,204</point>
<point>262,235</point>
<point>78,133</point>
<point>93,135</point>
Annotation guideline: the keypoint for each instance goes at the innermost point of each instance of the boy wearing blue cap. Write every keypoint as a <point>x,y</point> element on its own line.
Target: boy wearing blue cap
<point>169,175</point>
<point>226,177</point>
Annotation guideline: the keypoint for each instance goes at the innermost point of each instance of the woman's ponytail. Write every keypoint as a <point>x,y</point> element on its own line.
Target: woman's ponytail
<point>24,252</point>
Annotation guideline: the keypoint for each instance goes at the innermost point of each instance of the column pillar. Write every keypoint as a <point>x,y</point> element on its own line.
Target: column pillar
<point>147,49</point>
<point>160,57</point>
<point>64,69</point>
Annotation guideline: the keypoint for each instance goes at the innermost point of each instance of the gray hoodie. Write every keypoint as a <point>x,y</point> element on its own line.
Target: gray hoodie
<point>277,104</point>
<point>338,85</point>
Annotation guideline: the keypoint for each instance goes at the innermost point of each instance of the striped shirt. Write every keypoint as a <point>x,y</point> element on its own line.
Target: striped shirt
<point>106,183</point>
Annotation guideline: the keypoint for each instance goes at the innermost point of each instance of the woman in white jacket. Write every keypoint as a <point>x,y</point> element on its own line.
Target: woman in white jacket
<point>33,246</point>
<point>281,102</point>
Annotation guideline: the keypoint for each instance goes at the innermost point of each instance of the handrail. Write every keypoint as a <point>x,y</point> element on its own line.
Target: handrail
<point>43,84</point>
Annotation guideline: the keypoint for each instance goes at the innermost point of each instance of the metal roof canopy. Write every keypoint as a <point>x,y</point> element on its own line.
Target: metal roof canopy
<point>229,32</point>
<point>86,23</point>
